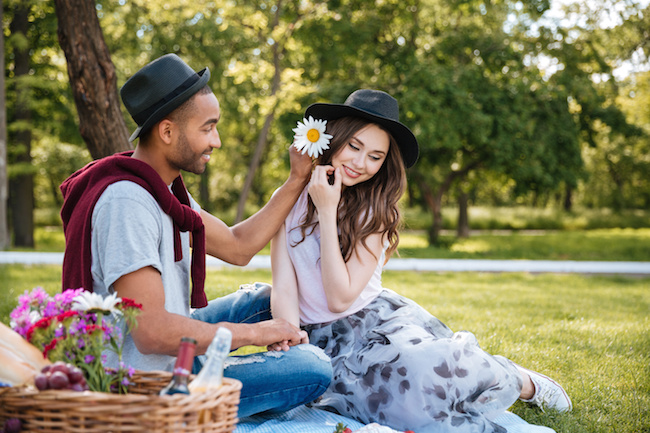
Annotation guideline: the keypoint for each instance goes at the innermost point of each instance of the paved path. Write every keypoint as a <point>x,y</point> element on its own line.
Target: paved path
<point>398,264</point>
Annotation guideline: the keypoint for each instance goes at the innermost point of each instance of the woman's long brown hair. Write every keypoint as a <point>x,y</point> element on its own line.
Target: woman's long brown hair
<point>369,207</point>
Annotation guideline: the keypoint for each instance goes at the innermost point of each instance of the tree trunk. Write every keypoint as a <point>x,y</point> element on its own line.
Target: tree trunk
<point>433,199</point>
<point>4,187</point>
<point>568,198</point>
<point>92,78</point>
<point>264,133</point>
<point>253,166</point>
<point>434,203</point>
<point>21,186</point>
<point>462,231</point>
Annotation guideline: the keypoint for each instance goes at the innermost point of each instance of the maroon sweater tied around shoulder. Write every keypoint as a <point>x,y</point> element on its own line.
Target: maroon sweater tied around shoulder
<point>80,194</point>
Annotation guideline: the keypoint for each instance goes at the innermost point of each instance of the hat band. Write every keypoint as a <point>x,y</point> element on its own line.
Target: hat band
<point>144,115</point>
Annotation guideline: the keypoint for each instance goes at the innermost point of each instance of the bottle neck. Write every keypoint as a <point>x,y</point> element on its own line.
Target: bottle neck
<point>183,366</point>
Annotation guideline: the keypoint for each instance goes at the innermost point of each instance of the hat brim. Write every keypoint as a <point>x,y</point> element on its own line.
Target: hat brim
<point>174,103</point>
<point>406,141</point>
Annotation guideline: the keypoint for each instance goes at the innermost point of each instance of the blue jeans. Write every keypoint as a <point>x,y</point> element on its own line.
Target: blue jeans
<point>272,381</point>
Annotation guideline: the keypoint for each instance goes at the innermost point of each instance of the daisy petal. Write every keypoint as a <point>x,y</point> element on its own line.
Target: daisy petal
<point>310,137</point>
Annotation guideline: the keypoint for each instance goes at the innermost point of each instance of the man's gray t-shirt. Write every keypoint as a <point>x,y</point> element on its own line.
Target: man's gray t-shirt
<point>129,232</point>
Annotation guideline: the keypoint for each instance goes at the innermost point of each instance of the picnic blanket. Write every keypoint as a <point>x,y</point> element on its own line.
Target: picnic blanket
<point>307,420</point>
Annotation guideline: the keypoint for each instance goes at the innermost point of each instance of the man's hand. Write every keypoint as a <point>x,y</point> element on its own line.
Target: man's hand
<point>301,165</point>
<point>277,332</point>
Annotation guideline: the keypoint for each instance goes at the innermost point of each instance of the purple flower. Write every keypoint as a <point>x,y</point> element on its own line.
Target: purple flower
<point>51,309</point>
<point>78,327</point>
<point>59,332</point>
<point>89,359</point>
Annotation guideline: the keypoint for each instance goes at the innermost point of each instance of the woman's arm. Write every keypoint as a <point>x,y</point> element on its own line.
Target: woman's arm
<point>343,282</point>
<point>284,293</point>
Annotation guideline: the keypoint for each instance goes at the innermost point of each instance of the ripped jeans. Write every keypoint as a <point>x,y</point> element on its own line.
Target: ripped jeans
<point>272,381</point>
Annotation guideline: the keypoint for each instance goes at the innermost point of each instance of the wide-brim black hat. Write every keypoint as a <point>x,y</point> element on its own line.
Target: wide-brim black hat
<point>159,88</point>
<point>378,107</point>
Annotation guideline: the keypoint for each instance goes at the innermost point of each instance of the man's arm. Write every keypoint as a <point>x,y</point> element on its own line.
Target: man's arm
<point>238,244</point>
<point>159,331</point>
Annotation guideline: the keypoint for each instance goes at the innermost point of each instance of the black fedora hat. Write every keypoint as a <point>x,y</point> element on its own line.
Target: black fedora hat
<point>378,107</point>
<point>159,88</point>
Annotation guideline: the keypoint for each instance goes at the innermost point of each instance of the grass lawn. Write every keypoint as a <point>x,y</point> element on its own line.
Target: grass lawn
<point>591,333</point>
<point>599,244</point>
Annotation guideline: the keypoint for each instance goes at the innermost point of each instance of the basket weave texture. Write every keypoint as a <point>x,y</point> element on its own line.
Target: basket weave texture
<point>142,410</point>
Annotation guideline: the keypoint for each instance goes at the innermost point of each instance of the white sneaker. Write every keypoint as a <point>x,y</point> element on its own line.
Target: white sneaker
<point>548,393</point>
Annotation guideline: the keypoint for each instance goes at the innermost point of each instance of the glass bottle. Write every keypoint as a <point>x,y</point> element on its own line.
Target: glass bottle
<point>182,368</point>
<point>211,375</point>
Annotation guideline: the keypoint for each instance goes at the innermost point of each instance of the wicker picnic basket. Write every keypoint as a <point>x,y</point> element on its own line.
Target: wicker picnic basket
<point>142,410</point>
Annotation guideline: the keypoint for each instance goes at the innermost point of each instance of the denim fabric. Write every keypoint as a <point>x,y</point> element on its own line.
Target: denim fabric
<point>272,381</point>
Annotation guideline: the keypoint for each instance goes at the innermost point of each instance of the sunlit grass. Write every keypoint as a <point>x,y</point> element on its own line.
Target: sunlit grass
<point>601,244</point>
<point>591,333</point>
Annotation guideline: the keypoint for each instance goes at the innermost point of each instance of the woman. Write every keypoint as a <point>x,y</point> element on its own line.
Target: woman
<point>394,363</point>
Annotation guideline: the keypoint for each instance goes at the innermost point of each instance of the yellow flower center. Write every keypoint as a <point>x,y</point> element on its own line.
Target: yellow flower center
<point>313,135</point>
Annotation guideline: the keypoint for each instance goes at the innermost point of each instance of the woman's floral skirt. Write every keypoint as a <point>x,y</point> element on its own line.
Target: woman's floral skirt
<point>396,364</point>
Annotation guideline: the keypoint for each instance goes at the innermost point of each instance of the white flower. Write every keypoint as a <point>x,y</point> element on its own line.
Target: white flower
<point>310,137</point>
<point>93,303</point>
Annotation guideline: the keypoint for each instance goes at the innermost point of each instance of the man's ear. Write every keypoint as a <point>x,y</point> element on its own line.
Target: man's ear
<point>165,130</point>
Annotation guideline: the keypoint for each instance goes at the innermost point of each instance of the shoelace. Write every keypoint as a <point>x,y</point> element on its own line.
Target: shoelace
<point>544,395</point>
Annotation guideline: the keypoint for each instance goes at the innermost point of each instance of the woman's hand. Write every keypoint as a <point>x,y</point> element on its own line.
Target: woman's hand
<point>285,345</point>
<point>326,197</point>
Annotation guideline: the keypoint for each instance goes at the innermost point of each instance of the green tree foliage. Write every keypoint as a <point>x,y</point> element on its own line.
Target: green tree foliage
<point>465,75</point>
<point>505,103</point>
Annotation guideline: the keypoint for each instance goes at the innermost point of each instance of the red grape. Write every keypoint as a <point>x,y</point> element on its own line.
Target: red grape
<point>13,425</point>
<point>77,387</point>
<point>59,366</point>
<point>75,374</point>
<point>59,380</point>
<point>41,381</point>
<point>61,376</point>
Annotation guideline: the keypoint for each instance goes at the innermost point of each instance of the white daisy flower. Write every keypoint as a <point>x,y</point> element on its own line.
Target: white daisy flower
<point>310,137</point>
<point>94,303</point>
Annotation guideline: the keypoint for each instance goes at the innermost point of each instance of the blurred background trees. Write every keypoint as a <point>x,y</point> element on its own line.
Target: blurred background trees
<point>513,102</point>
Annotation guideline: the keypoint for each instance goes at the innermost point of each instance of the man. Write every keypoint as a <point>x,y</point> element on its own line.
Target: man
<point>127,221</point>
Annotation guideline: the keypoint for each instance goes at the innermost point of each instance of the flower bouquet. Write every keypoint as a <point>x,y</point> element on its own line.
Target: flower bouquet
<point>74,328</point>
